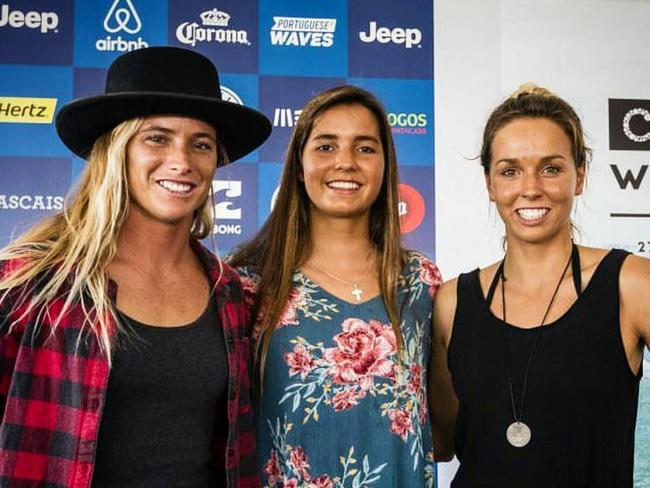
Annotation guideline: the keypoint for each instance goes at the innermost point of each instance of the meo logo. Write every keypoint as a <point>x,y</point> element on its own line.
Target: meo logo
<point>629,124</point>
<point>409,37</point>
<point>411,208</point>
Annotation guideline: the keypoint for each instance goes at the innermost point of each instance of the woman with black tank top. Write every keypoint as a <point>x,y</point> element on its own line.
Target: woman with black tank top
<point>537,358</point>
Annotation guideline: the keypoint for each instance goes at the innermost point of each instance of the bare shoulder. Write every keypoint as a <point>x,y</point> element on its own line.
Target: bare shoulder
<point>635,277</point>
<point>444,310</point>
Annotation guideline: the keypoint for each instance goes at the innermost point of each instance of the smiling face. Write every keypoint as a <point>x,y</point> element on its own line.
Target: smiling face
<point>533,179</point>
<point>170,163</point>
<point>343,163</point>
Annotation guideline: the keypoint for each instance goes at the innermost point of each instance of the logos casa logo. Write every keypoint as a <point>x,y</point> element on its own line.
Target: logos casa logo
<point>408,123</point>
<point>408,37</point>
<point>213,28</point>
<point>44,22</point>
<point>227,210</point>
<point>27,110</point>
<point>31,202</point>
<point>122,16</point>
<point>303,31</point>
<point>285,116</point>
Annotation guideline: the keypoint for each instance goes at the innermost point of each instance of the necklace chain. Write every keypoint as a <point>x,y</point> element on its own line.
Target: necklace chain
<point>521,432</point>
<point>357,291</point>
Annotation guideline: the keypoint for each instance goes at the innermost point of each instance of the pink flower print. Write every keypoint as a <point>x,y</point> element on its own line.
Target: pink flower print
<point>347,399</point>
<point>299,361</point>
<point>424,411</point>
<point>430,276</point>
<point>295,301</point>
<point>362,353</point>
<point>323,481</point>
<point>298,459</point>
<point>272,468</point>
<point>415,379</point>
<point>292,483</point>
<point>401,423</point>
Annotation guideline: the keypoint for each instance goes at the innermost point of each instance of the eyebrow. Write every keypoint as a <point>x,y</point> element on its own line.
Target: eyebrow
<point>332,137</point>
<point>167,130</point>
<point>545,159</point>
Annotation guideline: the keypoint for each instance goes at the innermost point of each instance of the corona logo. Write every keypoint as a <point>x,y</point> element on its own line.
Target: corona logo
<point>212,29</point>
<point>215,18</point>
<point>412,208</point>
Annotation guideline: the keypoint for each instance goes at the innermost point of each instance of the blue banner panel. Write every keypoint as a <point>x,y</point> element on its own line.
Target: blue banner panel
<point>303,38</point>
<point>36,32</point>
<point>282,100</point>
<point>25,199</point>
<point>409,104</point>
<point>225,31</point>
<point>244,90</point>
<point>104,29</point>
<point>416,208</point>
<point>390,41</point>
<point>29,97</point>
<point>269,181</point>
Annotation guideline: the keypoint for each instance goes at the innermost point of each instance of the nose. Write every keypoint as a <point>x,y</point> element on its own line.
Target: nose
<point>531,185</point>
<point>345,158</point>
<point>179,159</point>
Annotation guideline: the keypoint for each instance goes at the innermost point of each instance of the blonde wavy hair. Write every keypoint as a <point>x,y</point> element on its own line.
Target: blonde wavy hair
<point>66,256</point>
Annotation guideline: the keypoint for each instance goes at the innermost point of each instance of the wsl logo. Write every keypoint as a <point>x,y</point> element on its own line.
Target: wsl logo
<point>122,16</point>
<point>303,32</point>
<point>285,117</point>
<point>213,28</point>
<point>408,123</point>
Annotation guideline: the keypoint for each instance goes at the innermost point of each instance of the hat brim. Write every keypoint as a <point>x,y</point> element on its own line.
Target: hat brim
<point>240,129</point>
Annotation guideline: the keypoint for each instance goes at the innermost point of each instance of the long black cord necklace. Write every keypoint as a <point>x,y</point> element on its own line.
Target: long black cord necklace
<point>518,433</point>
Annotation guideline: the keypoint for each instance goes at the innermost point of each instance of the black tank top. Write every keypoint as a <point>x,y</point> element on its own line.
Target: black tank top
<point>581,399</point>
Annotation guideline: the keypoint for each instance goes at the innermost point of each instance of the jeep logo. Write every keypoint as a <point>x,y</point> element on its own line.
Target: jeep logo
<point>43,21</point>
<point>409,37</point>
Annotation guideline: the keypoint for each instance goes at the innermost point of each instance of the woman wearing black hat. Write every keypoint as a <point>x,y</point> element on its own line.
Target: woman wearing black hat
<point>123,342</point>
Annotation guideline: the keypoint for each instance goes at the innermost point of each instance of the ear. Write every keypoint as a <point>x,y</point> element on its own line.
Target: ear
<point>580,180</point>
<point>488,185</point>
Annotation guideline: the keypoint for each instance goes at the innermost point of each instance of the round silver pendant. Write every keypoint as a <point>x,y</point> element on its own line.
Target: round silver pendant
<point>518,434</point>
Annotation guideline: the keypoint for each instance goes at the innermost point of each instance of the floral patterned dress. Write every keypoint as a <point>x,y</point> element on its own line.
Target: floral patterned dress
<point>339,409</point>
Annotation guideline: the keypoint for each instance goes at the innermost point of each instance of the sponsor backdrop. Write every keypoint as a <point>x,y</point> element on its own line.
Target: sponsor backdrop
<point>272,54</point>
<point>590,52</point>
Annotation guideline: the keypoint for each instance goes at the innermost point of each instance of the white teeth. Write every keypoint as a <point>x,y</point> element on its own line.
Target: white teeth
<point>343,185</point>
<point>175,187</point>
<point>532,213</point>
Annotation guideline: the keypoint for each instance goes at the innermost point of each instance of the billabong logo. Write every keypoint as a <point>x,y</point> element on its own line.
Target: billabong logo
<point>30,202</point>
<point>409,37</point>
<point>227,210</point>
<point>408,123</point>
<point>629,124</point>
<point>285,117</point>
<point>214,30</point>
<point>27,110</point>
<point>43,21</point>
<point>229,95</point>
<point>412,208</point>
<point>303,31</point>
<point>122,16</point>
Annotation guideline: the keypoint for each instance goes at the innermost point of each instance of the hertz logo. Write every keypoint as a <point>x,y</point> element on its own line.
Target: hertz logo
<point>27,110</point>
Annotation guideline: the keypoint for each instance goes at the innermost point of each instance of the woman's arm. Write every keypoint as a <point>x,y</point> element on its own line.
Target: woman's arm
<point>635,308</point>
<point>442,398</point>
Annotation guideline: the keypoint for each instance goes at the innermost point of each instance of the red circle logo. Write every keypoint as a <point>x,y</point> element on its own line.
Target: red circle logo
<point>411,208</point>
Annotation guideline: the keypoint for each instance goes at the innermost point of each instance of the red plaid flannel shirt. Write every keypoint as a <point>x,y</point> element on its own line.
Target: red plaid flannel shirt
<point>52,392</point>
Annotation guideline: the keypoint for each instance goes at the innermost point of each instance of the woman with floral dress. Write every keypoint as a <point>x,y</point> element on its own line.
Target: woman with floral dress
<point>343,310</point>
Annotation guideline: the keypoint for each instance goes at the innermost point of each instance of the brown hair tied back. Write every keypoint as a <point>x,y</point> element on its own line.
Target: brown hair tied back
<point>532,101</point>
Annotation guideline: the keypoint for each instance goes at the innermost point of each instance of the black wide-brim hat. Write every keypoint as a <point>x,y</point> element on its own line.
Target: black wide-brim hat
<point>161,81</point>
